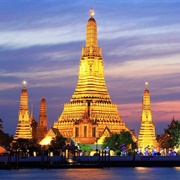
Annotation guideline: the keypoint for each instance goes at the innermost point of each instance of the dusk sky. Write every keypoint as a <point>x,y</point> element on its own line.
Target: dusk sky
<point>41,41</point>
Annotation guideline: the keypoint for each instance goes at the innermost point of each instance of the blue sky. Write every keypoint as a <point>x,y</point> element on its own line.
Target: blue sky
<point>41,42</point>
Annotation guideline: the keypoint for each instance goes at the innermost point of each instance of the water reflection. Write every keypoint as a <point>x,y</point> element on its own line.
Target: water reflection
<point>138,173</point>
<point>77,174</point>
<point>142,169</point>
<point>177,168</point>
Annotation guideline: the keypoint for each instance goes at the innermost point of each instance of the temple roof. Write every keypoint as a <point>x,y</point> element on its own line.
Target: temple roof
<point>2,150</point>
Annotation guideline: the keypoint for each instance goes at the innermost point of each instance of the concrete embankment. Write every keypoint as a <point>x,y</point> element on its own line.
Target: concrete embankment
<point>15,162</point>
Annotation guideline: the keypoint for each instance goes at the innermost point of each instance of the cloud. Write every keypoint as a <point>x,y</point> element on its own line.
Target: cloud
<point>41,42</point>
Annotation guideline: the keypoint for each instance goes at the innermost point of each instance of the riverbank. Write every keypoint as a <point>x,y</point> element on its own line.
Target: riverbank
<point>54,162</point>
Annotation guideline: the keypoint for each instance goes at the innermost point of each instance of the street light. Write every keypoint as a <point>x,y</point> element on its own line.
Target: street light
<point>96,145</point>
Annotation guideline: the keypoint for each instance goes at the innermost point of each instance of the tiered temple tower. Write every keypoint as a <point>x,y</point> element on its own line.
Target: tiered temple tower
<point>147,131</point>
<point>90,110</point>
<point>42,122</point>
<point>24,129</point>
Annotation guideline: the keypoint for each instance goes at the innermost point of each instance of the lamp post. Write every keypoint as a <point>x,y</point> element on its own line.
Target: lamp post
<point>96,145</point>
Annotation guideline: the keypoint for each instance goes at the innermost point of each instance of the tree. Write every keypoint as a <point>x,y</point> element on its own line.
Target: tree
<point>33,146</point>
<point>26,146</point>
<point>116,140</point>
<point>85,147</point>
<point>21,143</point>
<point>1,126</point>
<point>174,133</point>
<point>113,142</point>
<point>5,139</point>
<point>58,142</point>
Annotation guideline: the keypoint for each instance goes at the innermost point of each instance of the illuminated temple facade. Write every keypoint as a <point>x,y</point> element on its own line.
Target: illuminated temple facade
<point>147,130</point>
<point>27,127</point>
<point>90,114</point>
<point>24,129</point>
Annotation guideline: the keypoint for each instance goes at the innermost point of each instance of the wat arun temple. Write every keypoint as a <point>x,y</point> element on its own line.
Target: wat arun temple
<point>90,111</point>
<point>90,116</point>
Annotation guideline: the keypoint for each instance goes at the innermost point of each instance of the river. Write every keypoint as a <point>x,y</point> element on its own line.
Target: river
<point>138,173</point>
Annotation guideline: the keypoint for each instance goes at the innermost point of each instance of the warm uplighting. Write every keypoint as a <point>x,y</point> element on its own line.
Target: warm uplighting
<point>24,129</point>
<point>47,140</point>
<point>90,113</point>
<point>147,138</point>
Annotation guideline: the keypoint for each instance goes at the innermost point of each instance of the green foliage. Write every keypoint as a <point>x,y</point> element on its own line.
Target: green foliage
<point>1,126</point>
<point>117,153</point>
<point>174,132</point>
<point>85,147</point>
<point>58,142</point>
<point>21,143</point>
<point>26,146</point>
<point>116,140</point>
<point>5,139</point>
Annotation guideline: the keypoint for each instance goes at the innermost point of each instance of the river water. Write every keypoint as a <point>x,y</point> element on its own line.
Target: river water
<point>138,173</point>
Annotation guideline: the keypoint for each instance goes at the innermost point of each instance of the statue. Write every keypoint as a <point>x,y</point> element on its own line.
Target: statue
<point>146,151</point>
<point>139,152</point>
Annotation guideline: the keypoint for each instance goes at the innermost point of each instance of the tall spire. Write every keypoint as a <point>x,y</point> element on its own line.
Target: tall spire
<point>24,129</point>
<point>43,114</point>
<point>24,101</point>
<point>91,82</point>
<point>42,122</point>
<point>146,107</point>
<point>91,31</point>
<point>90,109</point>
<point>147,130</point>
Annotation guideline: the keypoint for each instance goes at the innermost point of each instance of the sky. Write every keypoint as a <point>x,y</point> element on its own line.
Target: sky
<point>41,41</point>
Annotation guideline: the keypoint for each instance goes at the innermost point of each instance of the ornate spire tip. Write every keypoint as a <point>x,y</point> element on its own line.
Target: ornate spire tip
<point>92,12</point>
<point>24,83</point>
<point>146,84</point>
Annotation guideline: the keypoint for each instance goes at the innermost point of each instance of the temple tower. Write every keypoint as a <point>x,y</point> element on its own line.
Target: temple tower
<point>147,130</point>
<point>91,85</point>
<point>42,122</point>
<point>90,109</point>
<point>24,129</point>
